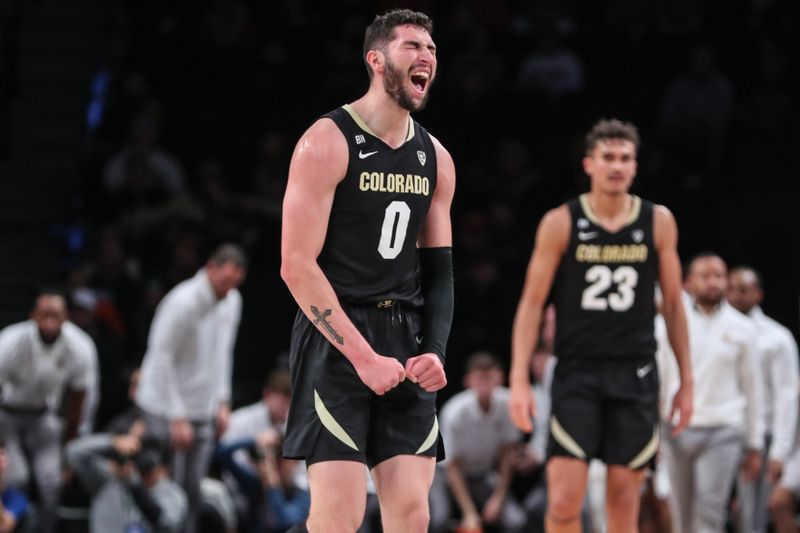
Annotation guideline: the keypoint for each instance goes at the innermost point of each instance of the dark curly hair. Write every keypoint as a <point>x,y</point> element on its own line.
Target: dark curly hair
<point>381,31</point>
<point>611,129</point>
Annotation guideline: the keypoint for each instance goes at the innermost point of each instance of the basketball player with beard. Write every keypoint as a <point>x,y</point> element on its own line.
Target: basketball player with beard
<point>366,253</point>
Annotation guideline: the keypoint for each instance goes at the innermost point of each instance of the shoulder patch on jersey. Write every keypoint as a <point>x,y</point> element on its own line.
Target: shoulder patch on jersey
<point>583,223</point>
<point>360,139</point>
<point>422,157</point>
<point>637,235</point>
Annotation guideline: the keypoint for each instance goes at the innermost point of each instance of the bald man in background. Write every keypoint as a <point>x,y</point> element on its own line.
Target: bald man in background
<point>777,355</point>
<point>40,360</point>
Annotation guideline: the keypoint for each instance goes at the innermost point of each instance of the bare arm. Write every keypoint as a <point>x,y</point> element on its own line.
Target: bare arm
<point>318,165</point>
<point>665,237</point>
<point>551,242</point>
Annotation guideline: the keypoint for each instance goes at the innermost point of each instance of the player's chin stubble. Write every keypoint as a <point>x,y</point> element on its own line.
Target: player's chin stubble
<point>393,84</point>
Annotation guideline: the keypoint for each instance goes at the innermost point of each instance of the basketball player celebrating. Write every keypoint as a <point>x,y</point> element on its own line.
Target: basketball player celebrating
<point>366,241</point>
<point>602,254</point>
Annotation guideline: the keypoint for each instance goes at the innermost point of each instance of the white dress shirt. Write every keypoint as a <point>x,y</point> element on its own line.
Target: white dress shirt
<point>248,421</point>
<point>474,436</point>
<point>186,372</point>
<point>779,368</point>
<point>33,374</point>
<point>727,376</point>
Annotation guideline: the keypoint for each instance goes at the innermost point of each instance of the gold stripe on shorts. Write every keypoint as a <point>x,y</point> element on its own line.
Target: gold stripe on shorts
<point>431,438</point>
<point>647,452</point>
<point>330,423</point>
<point>565,439</point>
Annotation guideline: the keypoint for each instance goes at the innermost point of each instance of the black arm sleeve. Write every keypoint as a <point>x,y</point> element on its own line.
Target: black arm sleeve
<point>437,288</point>
<point>146,503</point>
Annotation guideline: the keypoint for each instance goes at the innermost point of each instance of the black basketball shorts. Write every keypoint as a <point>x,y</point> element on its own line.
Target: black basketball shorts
<point>334,416</point>
<point>607,411</point>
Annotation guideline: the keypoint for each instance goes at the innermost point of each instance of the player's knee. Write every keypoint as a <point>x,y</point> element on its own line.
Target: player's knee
<point>622,498</point>
<point>564,505</point>
<point>418,519</point>
<point>409,515</point>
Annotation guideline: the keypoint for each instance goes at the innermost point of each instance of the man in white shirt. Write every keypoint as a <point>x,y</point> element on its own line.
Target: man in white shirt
<point>185,381</point>
<point>482,442</point>
<point>727,426</point>
<point>777,351</point>
<point>268,413</point>
<point>40,359</point>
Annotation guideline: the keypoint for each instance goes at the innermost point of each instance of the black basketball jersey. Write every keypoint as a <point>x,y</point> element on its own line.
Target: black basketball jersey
<point>370,250</point>
<point>604,289</point>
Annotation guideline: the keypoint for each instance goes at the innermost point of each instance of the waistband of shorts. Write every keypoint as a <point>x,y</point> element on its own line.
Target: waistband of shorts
<point>24,410</point>
<point>602,361</point>
<point>387,304</point>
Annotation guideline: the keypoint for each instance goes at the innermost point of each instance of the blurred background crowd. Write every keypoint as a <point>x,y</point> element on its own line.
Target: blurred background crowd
<point>136,136</point>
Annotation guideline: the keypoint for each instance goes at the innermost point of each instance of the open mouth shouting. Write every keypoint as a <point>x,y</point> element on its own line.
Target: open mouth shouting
<point>420,81</point>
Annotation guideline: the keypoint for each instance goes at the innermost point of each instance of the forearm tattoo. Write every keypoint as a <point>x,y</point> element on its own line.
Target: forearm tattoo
<point>320,319</point>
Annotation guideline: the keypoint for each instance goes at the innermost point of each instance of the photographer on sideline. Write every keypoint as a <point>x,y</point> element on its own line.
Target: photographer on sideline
<point>128,484</point>
<point>275,502</point>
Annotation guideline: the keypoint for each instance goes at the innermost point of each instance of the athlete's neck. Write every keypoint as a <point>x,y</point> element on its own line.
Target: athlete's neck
<point>611,210</point>
<point>384,117</point>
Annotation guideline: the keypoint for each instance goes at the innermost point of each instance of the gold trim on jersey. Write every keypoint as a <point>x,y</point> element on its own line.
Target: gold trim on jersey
<point>636,208</point>
<point>565,439</point>
<point>363,125</point>
<point>330,423</point>
<point>432,436</point>
<point>647,452</point>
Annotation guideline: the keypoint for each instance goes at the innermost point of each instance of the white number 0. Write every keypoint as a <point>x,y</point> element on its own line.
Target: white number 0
<point>600,277</point>
<point>393,232</point>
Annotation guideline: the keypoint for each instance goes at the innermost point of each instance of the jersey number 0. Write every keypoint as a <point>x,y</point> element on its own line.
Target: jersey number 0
<point>393,231</point>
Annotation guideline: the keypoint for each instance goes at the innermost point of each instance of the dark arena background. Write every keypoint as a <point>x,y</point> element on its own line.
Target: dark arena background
<point>136,135</point>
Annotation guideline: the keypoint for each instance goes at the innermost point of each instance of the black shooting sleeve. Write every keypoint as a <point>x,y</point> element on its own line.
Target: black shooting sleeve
<point>437,288</point>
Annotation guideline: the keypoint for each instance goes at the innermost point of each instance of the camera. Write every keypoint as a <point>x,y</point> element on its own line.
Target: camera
<point>259,453</point>
<point>118,458</point>
<point>147,460</point>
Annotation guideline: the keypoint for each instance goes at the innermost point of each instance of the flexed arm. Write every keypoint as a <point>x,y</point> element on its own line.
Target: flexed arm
<point>318,165</point>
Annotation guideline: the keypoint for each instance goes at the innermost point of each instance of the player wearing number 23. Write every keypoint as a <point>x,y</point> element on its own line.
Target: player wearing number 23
<point>598,257</point>
<point>366,253</point>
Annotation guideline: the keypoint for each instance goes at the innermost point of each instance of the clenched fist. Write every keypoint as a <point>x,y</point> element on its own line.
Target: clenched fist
<point>381,374</point>
<point>426,370</point>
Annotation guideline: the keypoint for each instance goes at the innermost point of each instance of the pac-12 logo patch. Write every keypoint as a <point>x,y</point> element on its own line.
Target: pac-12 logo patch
<point>638,235</point>
<point>583,223</point>
<point>422,157</point>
